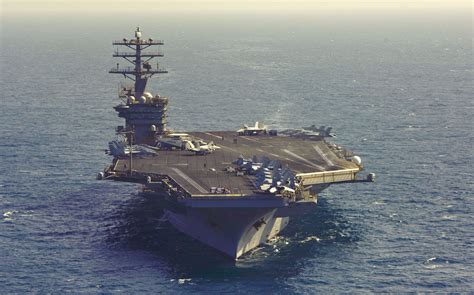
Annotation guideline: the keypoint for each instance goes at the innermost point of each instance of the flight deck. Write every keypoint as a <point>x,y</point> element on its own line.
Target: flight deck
<point>199,175</point>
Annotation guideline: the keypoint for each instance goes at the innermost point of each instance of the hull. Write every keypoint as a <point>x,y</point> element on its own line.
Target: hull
<point>233,231</point>
<point>234,226</point>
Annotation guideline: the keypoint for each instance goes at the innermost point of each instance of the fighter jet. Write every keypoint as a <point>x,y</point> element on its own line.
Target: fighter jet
<point>172,141</point>
<point>201,147</point>
<point>120,149</point>
<point>322,131</point>
<point>259,128</point>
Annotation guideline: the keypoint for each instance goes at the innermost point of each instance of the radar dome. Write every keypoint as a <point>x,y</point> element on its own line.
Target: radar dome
<point>357,160</point>
<point>147,95</point>
<point>142,99</point>
<point>131,99</point>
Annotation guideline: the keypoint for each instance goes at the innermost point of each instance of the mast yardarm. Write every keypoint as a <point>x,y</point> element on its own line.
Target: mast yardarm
<point>140,59</point>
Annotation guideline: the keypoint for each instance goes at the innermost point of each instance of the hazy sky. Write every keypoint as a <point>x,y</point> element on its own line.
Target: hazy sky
<point>27,7</point>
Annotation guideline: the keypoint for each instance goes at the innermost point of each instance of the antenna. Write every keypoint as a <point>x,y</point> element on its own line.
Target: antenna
<point>141,70</point>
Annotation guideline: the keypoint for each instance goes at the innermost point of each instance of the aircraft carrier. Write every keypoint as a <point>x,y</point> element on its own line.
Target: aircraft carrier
<point>231,190</point>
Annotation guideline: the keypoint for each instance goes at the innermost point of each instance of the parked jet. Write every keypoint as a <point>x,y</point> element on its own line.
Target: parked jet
<point>172,141</point>
<point>259,128</point>
<point>121,149</point>
<point>200,147</point>
<point>322,131</point>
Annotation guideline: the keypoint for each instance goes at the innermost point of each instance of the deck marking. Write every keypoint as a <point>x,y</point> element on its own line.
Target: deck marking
<point>251,139</point>
<point>230,149</point>
<point>164,164</point>
<point>323,155</point>
<point>190,180</point>
<point>217,136</point>
<point>311,164</point>
<point>275,155</point>
<point>303,159</point>
<point>221,144</point>
<point>285,158</point>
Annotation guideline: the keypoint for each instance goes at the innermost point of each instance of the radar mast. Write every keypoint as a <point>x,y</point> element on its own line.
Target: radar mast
<point>141,70</point>
<point>144,113</point>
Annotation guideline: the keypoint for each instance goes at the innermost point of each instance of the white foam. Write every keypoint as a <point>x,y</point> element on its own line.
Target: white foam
<point>182,281</point>
<point>310,238</point>
<point>449,217</point>
<point>9,213</point>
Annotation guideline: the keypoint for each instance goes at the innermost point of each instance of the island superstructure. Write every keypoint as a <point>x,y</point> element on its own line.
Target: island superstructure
<point>231,190</point>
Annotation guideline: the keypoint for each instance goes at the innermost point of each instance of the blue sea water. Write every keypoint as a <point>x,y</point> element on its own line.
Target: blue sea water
<point>399,94</point>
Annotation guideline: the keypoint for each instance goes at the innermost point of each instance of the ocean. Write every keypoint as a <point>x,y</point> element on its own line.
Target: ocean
<point>397,92</point>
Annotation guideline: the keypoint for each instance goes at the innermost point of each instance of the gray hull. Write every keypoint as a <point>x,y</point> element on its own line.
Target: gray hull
<point>233,231</point>
<point>236,227</point>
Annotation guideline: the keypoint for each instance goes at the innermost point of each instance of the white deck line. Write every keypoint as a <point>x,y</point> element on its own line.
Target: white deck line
<point>323,155</point>
<point>188,179</point>
<point>311,164</point>
<point>251,139</point>
<point>165,164</point>
<point>217,136</point>
<point>303,159</point>
<point>275,155</point>
<point>288,159</point>
<point>230,149</point>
